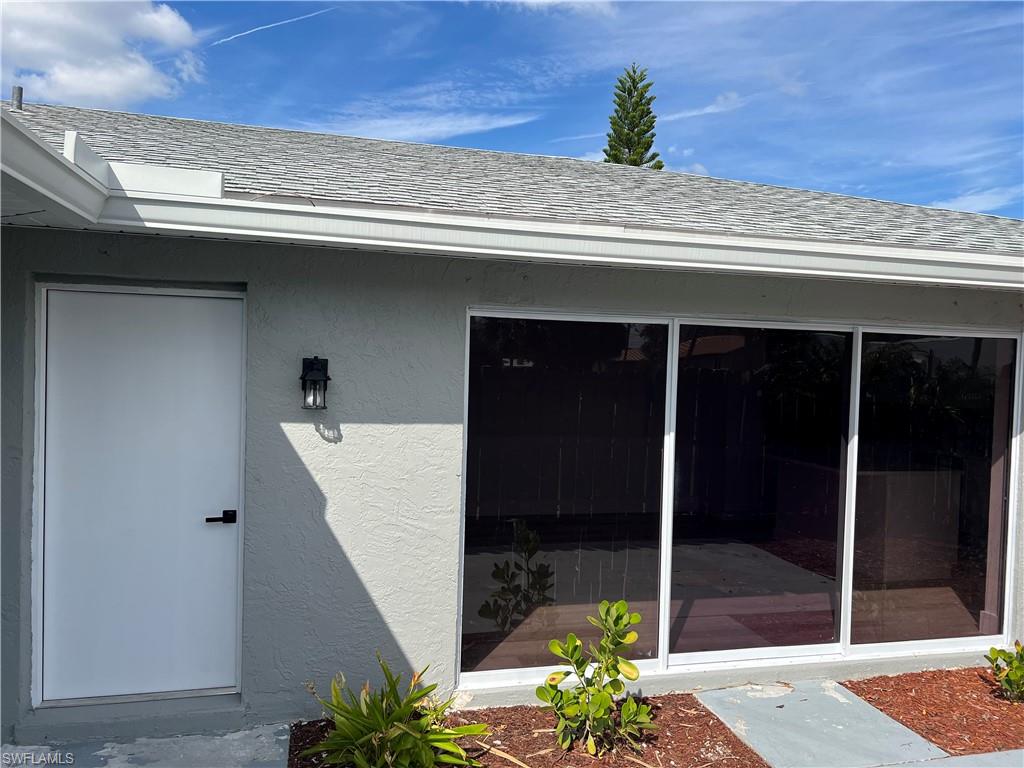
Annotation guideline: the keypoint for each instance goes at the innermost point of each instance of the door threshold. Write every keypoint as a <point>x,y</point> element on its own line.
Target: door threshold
<point>133,697</point>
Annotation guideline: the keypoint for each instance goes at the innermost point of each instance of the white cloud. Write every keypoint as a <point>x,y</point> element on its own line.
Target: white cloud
<point>430,111</point>
<point>111,82</point>
<point>688,152</point>
<point>594,157</point>
<point>587,7</point>
<point>190,67</point>
<point>420,125</point>
<point>982,200</point>
<point>578,137</point>
<point>229,38</point>
<point>724,102</point>
<point>97,54</point>
<point>161,23</point>
<point>695,168</point>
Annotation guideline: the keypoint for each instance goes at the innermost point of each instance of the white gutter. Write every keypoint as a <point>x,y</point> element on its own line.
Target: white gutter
<point>75,196</point>
<point>446,234</point>
<point>188,202</point>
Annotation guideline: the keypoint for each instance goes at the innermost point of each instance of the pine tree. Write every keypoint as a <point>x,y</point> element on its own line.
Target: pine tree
<point>632,123</point>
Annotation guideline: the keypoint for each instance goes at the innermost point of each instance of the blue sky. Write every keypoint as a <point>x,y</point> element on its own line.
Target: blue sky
<point>915,102</point>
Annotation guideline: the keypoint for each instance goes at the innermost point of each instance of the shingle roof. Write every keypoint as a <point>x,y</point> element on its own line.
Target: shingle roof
<point>268,161</point>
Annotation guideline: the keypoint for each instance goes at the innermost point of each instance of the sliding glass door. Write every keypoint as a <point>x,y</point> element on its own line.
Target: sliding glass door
<point>761,422</point>
<point>563,482</point>
<point>737,544</point>
<point>932,487</point>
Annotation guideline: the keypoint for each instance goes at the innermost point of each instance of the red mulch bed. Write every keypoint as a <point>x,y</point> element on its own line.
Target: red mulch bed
<point>960,710</point>
<point>688,735</point>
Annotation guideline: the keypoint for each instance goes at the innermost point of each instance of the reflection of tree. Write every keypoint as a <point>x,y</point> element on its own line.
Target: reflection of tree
<point>913,394</point>
<point>566,344</point>
<point>655,346</point>
<point>927,406</point>
<point>557,344</point>
<point>802,363</point>
<point>522,585</point>
<point>805,371</point>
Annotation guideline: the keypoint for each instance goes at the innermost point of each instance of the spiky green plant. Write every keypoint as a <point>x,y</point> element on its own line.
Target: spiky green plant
<point>389,728</point>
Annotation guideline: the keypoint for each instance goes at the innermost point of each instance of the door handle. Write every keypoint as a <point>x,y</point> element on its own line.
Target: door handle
<point>227,517</point>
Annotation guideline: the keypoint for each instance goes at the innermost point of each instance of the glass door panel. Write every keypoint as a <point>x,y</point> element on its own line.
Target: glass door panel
<point>761,433</point>
<point>563,483</point>
<point>932,484</point>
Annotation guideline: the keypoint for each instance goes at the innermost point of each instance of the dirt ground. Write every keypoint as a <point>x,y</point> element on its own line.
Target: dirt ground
<point>688,736</point>
<point>960,710</point>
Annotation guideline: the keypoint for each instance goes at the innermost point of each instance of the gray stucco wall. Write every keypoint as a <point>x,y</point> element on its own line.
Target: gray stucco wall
<point>352,515</point>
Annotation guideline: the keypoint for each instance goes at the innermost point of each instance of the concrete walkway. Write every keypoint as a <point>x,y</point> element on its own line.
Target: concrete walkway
<point>1013,758</point>
<point>818,723</point>
<point>262,747</point>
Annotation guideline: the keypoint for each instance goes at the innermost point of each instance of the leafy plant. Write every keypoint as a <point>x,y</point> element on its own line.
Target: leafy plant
<point>591,711</point>
<point>389,728</point>
<point>1008,667</point>
<point>522,585</point>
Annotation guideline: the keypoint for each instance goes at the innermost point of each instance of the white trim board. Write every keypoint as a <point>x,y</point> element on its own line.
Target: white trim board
<point>564,243</point>
<point>841,650</point>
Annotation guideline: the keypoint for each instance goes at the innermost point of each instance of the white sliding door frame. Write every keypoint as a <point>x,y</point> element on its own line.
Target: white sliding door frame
<point>974,643</point>
<point>667,662</point>
<point>42,291</point>
<point>668,480</point>
<point>525,675</point>
<point>850,502</point>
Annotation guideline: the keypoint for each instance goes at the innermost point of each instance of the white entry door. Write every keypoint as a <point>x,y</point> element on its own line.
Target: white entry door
<point>143,421</point>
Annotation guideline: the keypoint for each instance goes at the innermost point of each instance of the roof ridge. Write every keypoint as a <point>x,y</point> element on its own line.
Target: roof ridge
<point>505,153</point>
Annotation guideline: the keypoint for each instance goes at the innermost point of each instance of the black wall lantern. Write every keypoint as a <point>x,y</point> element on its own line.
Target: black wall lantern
<point>314,380</point>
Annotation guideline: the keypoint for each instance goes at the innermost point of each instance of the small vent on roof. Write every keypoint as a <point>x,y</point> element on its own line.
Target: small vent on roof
<point>17,94</point>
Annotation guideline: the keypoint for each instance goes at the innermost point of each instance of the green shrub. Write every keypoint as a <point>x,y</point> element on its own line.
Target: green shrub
<point>1008,667</point>
<point>391,729</point>
<point>592,711</point>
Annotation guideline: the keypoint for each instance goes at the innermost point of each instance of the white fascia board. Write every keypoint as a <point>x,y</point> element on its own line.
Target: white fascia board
<point>556,242</point>
<point>139,178</point>
<point>81,154</point>
<point>77,198</point>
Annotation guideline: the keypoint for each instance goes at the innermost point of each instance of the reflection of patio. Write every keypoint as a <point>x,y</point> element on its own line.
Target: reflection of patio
<point>583,576</point>
<point>911,613</point>
<point>736,595</point>
<point>727,596</point>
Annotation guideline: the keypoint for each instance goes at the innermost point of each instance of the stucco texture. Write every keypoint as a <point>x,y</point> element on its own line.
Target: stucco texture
<point>352,515</point>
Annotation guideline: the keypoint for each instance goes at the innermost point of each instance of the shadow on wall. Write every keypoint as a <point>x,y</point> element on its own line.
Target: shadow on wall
<point>307,613</point>
<point>352,531</point>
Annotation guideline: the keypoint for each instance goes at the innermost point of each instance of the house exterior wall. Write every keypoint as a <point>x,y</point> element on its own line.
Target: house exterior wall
<point>352,515</point>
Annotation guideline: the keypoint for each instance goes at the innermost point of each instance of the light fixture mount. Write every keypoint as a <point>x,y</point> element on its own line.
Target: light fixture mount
<point>314,380</point>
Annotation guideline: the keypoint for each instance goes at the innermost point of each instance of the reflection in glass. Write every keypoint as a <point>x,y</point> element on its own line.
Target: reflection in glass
<point>932,477</point>
<point>563,482</point>
<point>761,423</point>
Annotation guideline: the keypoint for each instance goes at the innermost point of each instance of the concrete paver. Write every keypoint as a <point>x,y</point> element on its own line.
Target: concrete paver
<point>815,723</point>
<point>262,747</point>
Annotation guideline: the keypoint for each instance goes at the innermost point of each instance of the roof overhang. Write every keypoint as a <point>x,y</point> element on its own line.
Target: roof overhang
<point>78,189</point>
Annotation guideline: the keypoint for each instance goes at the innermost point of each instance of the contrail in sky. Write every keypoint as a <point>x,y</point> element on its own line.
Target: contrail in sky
<point>268,26</point>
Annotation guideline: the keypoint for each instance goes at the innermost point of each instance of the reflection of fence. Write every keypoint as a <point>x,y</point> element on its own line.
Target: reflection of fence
<point>565,444</point>
<point>919,538</point>
<point>763,462</point>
